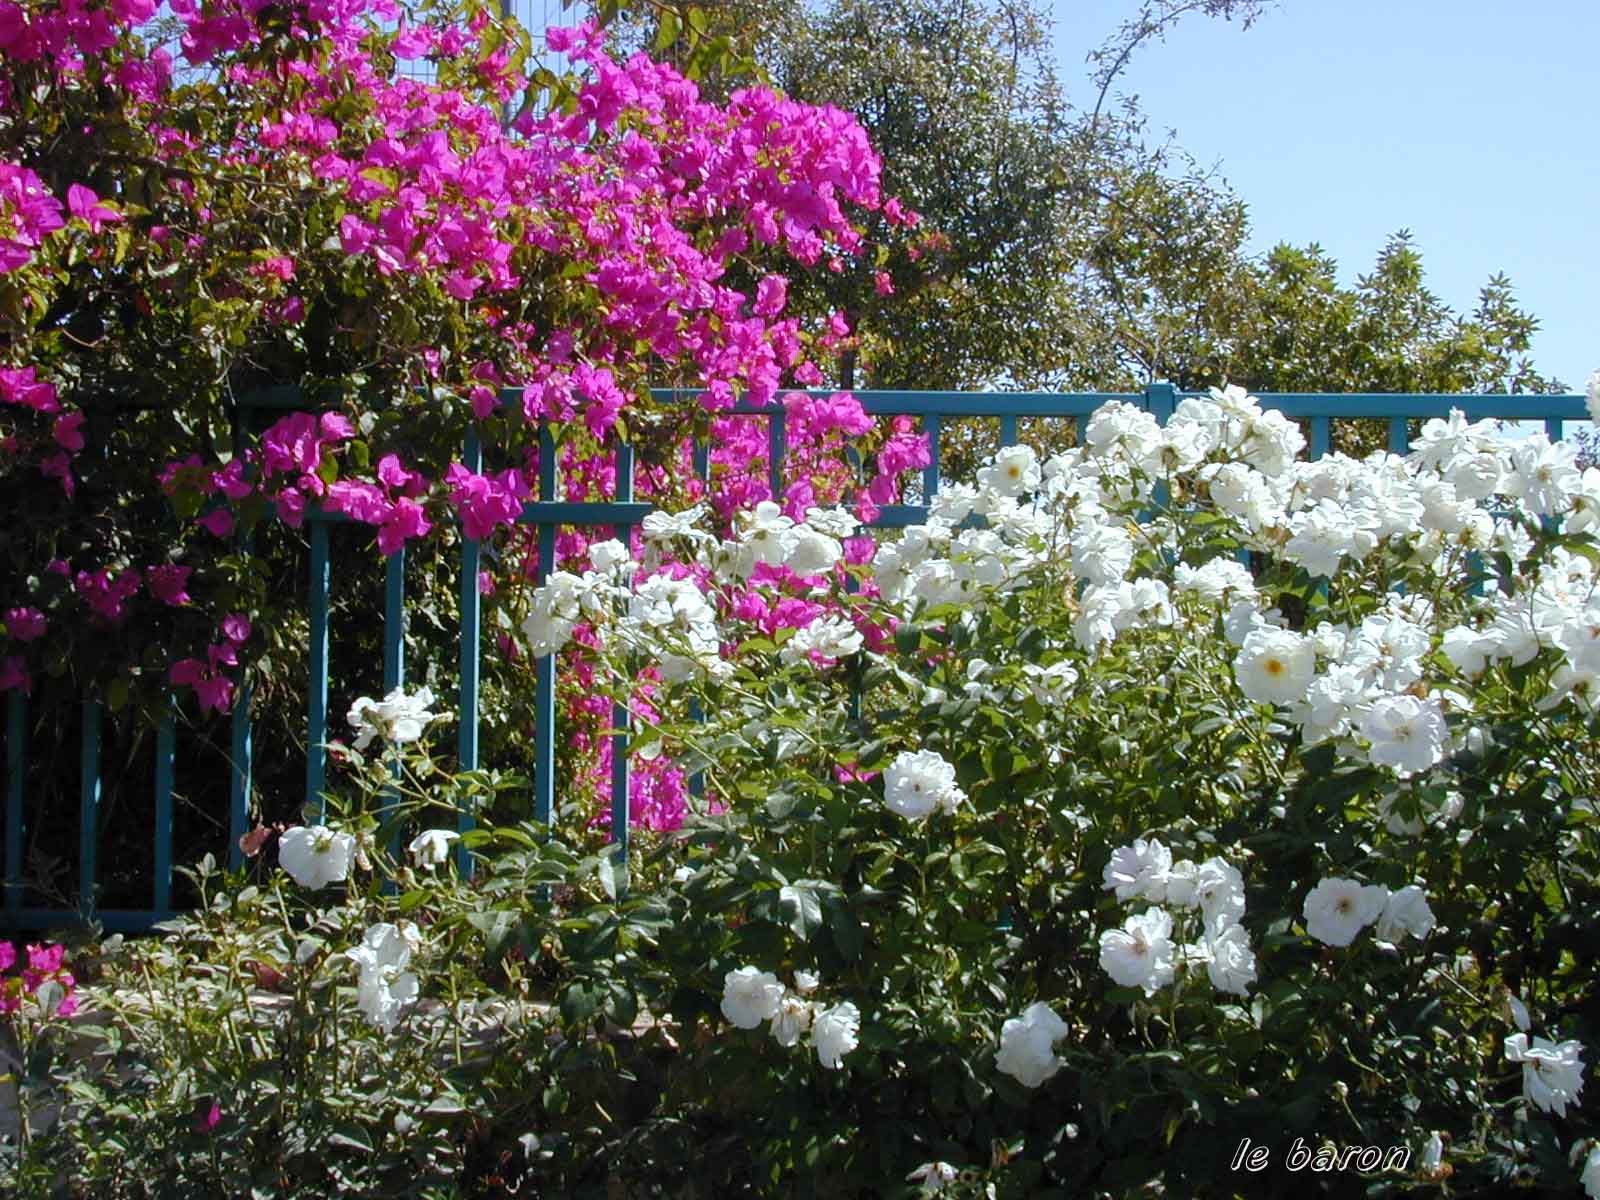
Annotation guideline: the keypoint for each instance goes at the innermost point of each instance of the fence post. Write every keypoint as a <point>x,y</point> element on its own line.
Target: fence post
<point>619,712</point>
<point>89,806</point>
<point>240,770</point>
<point>471,613</point>
<point>1160,400</point>
<point>544,667</point>
<point>166,753</point>
<point>317,700</point>
<point>16,783</point>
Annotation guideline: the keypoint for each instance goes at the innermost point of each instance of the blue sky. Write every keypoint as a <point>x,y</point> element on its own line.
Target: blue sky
<point>1475,125</point>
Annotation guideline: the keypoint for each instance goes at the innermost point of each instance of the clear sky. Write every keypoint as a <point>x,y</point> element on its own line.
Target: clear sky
<point>1475,124</point>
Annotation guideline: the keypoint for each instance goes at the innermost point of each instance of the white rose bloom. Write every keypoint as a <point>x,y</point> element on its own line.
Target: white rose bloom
<point>805,982</point>
<point>1218,580</point>
<point>1141,953</point>
<point>397,718</point>
<point>750,997</point>
<point>1406,911</point>
<point>432,847</point>
<point>608,555</point>
<point>1051,686</point>
<point>1027,1045</point>
<point>1275,666</point>
<point>316,856</point>
<point>834,1033</point>
<point>917,782</point>
<point>1338,909</point>
<point>767,538</point>
<point>1101,553</point>
<point>1015,470</point>
<point>1219,891</point>
<point>385,987</point>
<point>1592,390</point>
<point>933,1177</point>
<point>1141,869</point>
<point>1181,883</point>
<point>1590,1178</point>
<point>660,526</point>
<point>1544,475</point>
<point>812,552</point>
<point>792,1019</point>
<point>1405,733</point>
<point>1552,1074</point>
<point>830,636</point>
<point>1230,961</point>
<point>835,522</point>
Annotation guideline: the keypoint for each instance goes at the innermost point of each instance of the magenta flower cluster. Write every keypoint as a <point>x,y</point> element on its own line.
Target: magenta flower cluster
<point>45,964</point>
<point>637,205</point>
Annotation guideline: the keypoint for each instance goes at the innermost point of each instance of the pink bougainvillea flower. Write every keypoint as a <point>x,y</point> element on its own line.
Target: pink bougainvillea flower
<point>169,583</point>
<point>89,208</point>
<point>218,522</point>
<point>68,431</point>
<point>25,624</point>
<point>236,628</point>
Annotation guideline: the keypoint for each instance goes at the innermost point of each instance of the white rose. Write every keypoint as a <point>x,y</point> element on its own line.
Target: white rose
<point>750,997</point>
<point>432,847</point>
<point>917,782</point>
<point>316,856</point>
<point>1338,909</point>
<point>1027,1045</point>
<point>834,1033</point>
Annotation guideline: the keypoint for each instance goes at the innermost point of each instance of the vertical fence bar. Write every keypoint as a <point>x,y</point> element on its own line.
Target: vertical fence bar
<point>317,692</point>
<point>1553,427</point>
<point>16,784</point>
<point>1008,430</point>
<point>240,771</point>
<point>619,712</point>
<point>930,473</point>
<point>544,668</point>
<point>471,618</point>
<point>1321,436</point>
<point>394,676</point>
<point>89,805</point>
<point>394,620</point>
<point>1399,439</point>
<point>166,754</point>
<point>1160,400</point>
<point>777,440</point>
<point>697,779</point>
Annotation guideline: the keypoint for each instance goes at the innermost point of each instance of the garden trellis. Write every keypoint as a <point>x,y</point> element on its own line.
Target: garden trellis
<point>548,515</point>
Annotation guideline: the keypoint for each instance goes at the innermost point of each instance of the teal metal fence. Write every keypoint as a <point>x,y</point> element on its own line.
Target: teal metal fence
<point>549,514</point>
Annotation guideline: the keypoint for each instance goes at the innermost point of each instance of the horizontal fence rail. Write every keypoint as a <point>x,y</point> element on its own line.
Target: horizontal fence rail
<point>548,514</point>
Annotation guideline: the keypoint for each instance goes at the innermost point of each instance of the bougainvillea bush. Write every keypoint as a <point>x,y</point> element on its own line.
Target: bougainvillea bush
<point>1175,816</point>
<point>263,260</point>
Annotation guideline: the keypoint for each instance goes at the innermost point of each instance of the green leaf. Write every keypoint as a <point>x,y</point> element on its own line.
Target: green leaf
<point>802,910</point>
<point>849,936</point>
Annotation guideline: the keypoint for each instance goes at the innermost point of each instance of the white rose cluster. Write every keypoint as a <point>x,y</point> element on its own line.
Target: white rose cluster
<point>384,988</point>
<point>1552,1072</point>
<point>751,996</point>
<point>1338,909</point>
<point>1143,953</point>
<point>398,718</point>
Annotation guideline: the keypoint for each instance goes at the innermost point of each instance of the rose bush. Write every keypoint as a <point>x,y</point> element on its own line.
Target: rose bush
<point>1174,791</point>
